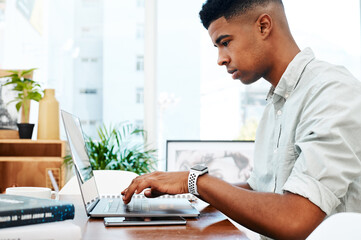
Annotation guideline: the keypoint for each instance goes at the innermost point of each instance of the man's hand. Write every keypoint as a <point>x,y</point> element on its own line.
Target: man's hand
<point>159,183</point>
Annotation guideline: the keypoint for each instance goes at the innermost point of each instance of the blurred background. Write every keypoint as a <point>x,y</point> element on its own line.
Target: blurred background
<point>151,63</point>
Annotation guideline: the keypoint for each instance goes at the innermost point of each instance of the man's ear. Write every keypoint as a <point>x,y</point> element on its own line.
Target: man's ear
<point>264,25</point>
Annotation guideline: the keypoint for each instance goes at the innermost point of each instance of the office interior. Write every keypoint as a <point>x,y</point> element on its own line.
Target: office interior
<point>151,63</point>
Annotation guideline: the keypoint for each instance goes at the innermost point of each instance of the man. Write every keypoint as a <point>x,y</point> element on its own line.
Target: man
<point>308,146</point>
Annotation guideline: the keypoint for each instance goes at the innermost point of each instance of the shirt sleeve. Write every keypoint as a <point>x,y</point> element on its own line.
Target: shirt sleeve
<point>328,139</point>
<point>252,180</point>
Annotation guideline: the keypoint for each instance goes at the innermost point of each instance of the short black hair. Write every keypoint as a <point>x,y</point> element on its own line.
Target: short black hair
<point>214,9</point>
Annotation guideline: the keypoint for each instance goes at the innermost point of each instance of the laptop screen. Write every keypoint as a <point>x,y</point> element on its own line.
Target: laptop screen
<point>80,157</point>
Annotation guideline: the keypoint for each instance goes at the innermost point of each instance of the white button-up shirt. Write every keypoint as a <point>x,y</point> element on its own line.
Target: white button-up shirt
<point>309,139</point>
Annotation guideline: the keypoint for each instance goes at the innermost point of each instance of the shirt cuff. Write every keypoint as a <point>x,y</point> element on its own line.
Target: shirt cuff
<point>313,190</point>
<point>252,181</point>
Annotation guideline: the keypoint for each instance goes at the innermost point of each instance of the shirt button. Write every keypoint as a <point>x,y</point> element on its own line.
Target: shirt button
<point>279,112</point>
<point>286,96</point>
<point>275,151</point>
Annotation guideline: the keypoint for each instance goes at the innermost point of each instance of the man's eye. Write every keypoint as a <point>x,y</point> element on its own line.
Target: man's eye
<point>225,44</point>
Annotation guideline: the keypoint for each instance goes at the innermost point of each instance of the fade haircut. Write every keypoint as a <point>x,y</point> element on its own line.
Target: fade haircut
<point>214,9</point>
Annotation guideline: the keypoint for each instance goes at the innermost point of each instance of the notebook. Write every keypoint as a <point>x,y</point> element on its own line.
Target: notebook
<point>21,210</point>
<point>112,206</point>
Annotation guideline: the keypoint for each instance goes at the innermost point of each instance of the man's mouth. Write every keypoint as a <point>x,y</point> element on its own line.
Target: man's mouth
<point>234,73</point>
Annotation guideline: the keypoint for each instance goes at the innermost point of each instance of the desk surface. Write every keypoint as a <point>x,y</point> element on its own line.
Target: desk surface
<point>211,224</point>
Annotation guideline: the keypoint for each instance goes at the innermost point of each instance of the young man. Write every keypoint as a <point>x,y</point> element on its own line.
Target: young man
<point>307,162</point>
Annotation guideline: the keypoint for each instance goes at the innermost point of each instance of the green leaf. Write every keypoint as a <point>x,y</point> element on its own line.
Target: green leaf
<point>26,88</point>
<point>118,147</point>
<point>27,71</point>
<point>18,106</point>
<point>35,96</point>
<point>68,160</point>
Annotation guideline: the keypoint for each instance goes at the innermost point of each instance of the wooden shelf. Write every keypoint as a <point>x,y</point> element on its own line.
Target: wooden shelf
<point>40,141</point>
<point>9,134</point>
<point>32,159</point>
<point>26,162</point>
<point>32,148</point>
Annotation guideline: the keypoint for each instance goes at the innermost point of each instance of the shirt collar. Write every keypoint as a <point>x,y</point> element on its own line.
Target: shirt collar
<point>292,75</point>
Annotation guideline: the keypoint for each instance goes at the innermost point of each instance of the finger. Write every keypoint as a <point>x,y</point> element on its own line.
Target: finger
<point>124,191</point>
<point>141,186</point>
<point>130,191</point>
<point>149,193</point>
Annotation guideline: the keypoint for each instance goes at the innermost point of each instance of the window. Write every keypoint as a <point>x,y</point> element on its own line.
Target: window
<point>140,31</point>
<point>139,95</point>
<point>139,124</point>
<point>2,10</point>
<point>91,3</point>
<point>140,63</point>
<point>140,3</point>
<point>332,42</point>
<point>82,51</point>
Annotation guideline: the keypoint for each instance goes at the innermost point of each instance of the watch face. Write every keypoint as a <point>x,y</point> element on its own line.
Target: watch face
<point>199,168</point>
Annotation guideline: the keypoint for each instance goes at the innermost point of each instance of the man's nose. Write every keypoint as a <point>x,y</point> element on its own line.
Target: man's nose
<point>222,59</point>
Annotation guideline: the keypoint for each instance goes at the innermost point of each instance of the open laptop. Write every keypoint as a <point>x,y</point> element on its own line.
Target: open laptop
<point>97,206</point>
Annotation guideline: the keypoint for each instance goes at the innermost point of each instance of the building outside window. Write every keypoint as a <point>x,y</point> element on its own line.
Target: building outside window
<point>140,3</point>
<point>140,63</point>
<point>139,95</point>
<point>140,31</point>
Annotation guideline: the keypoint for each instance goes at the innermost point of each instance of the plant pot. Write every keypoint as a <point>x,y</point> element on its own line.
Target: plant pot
<point>25,130</point>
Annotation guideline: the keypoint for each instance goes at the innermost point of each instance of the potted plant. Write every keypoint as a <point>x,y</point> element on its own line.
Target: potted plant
<point>27,90</point>
<point>119,148</point>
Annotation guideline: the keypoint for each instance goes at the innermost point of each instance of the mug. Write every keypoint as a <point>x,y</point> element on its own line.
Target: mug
<point>37,192</point>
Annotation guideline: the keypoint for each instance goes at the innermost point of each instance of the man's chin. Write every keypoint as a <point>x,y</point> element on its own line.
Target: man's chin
<point>245,78</point>
<point>246,81</point>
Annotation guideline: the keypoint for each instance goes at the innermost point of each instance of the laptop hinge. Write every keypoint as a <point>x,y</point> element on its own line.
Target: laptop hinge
<point>90,206</point>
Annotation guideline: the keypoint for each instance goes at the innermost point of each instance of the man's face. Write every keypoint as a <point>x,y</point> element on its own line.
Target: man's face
<point>239,49</point>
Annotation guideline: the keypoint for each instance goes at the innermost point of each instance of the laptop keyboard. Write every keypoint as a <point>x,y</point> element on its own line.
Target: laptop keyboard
<point>116,204</point>
<point>137,205</point>
<point>113,205</point>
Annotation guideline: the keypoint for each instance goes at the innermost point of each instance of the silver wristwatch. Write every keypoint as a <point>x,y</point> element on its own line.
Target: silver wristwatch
<point>194,173</point>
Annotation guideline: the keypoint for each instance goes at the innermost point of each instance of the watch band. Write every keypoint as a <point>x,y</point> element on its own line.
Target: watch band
<point>192,183</point>
<point>192,179</point>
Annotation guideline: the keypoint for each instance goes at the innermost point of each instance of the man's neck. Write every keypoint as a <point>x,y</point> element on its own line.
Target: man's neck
<point>282,59</point>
